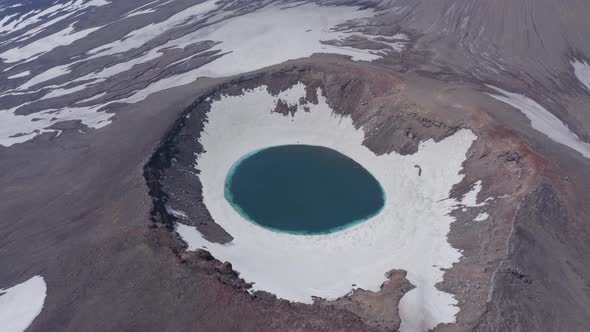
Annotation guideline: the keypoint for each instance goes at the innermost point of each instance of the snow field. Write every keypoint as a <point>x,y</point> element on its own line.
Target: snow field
<point>262,38</point>
<point>20,304</point>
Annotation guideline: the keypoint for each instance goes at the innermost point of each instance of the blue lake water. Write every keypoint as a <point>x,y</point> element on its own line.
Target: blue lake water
<point>302,189</point>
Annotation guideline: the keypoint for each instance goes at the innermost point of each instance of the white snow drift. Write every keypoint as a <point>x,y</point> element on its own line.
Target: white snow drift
<point>410,233</point>
<point>543,121</point>
<point>21,74</point>
<point>582,71</point>
<point>21,128</point>
<point>20,304</point>
<point>482,216</point>
<point>60,10</point>
<point>41,46</point>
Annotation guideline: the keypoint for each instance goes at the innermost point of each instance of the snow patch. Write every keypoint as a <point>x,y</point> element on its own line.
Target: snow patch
<point>401,36</point>
<point>20,304</point>
<point>47,75</point>
<point>482,216</point>
<point>141,12</point>
<point>176,213</point>
<point>41,46</point>
<point>470,198</point>
<point>63,91</point>
<point>23,74</point>
<point>410,233</point>
<point>582,71</point>
<point>65,8</point>
<point>138,37</point>
<point>542,120</point>
<point>22,128</point>
<point>93,98</point>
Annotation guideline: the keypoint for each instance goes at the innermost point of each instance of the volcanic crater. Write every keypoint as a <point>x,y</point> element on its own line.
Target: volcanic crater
<point>388,120</point>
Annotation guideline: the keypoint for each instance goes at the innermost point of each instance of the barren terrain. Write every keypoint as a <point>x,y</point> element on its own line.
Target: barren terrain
<point>102,105</point>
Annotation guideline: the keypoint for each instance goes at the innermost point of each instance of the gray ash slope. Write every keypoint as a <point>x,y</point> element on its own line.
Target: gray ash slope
<point>77,192</point>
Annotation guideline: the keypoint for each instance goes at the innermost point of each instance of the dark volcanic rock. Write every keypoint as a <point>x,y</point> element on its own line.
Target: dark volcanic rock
<point>531,290</point>
<point>512,156</point>
<point>377,309</point>
<point>284,108</point>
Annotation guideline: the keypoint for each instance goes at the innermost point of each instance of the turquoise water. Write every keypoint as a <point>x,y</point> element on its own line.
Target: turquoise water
<point>302,189</point>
